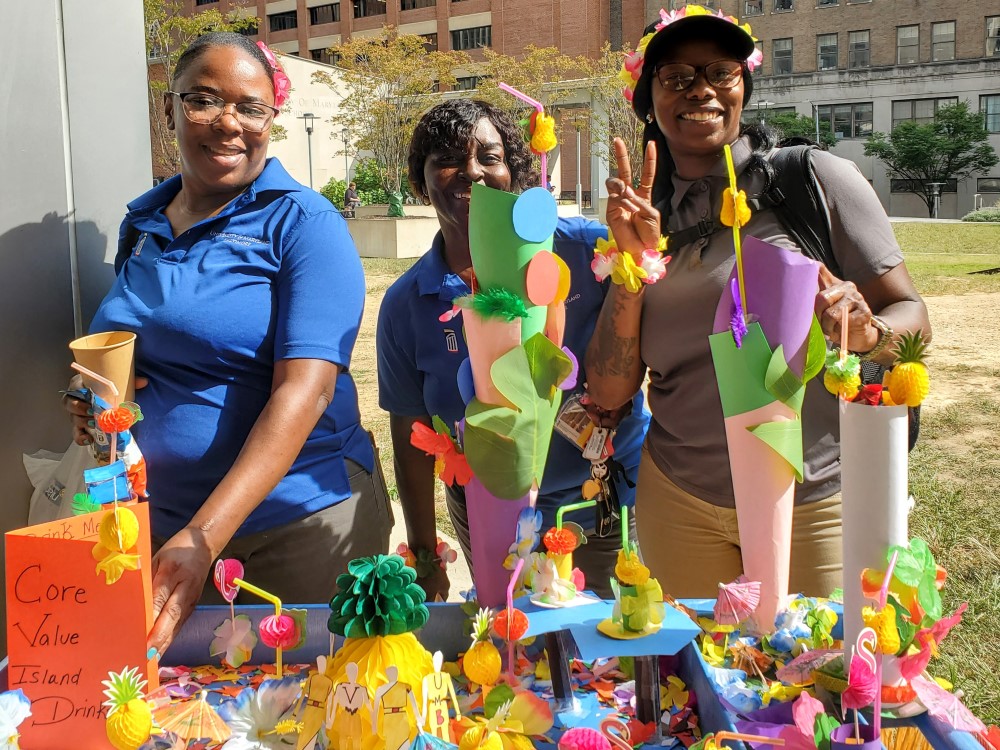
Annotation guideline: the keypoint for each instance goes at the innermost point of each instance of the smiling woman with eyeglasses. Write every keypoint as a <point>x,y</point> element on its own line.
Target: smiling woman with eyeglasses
<point>690,81</point>
<point>246,293</point>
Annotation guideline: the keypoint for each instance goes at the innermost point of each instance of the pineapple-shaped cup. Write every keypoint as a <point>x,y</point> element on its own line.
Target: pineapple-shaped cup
<point>481,662</point>
<point>908,382</point>
<point>377,607</point>
<point>130,719</point>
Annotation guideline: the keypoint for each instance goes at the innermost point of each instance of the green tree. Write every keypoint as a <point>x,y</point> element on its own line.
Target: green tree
<point>613,116</point>
<point>387,82</point>
<point>368,178</point>
<point>168,34</point>
<point>792,125</point>
<point>953,147</point>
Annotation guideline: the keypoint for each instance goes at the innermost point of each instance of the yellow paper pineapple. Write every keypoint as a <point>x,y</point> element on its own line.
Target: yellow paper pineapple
<point>119,530</point>
<point>130,720</point>
<point>843,376</point>
<point>908,382</point>
<point>481,662</point>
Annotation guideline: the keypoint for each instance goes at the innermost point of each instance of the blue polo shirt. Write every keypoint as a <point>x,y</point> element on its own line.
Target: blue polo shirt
<point>418,357</point>
<point>274,276</point>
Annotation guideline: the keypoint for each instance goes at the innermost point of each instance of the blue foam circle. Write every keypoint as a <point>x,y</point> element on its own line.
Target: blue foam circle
<point>466,386</point>
<point>535,215</point>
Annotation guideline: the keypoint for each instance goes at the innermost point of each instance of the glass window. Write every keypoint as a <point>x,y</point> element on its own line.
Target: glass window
<point>205,2</point>
<point>847,120</point>
<point>466,83</point>
<point>283,21</point>
<point>826,3</point>
<point>414,4</point>
<point>826,52</point>
<point>907,45</point>
<point>753,7</point>
<point>781,6</point>
<point>989,105</point>
<point>993,36</point>
<point>365,8</point>
<point>988,185</point>
<point>324,56</point>
<point>479,36</point>
<point>430,42</point>
<point>781,57</point>
<point>324,14</point>
<point>920,111</point>
<point>907,186</point>
<point>859,51</point>
<point>943,41</point>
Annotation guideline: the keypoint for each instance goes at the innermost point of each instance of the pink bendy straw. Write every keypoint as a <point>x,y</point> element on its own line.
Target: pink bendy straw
<point>539,107</point>
<point>510,615</point>
<point>883,598</point>
<point>114,392</point>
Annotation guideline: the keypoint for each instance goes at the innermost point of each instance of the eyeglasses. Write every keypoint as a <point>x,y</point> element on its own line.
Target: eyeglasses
<point>204,109</point>
<point>723,74</point>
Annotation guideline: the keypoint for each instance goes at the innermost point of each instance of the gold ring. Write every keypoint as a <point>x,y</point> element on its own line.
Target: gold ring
<point>646,187</point>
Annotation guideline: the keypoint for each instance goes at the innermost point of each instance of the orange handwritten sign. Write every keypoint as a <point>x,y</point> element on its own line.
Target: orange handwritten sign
<point>67,628</point>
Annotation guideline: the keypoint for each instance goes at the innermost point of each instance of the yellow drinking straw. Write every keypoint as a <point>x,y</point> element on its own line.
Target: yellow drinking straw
<point>277,613</point>
<point>731,170</point>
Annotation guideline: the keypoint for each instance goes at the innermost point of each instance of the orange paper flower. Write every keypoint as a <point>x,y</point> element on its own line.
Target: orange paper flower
<point>117,419</point>
<point>559,541</point>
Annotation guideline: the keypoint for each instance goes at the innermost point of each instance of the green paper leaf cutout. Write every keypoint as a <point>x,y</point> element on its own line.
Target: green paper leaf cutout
<point>498,696</point>
<point>740,372</point>
<point>576,530</point>
<point>439,426</point>
<point>784,384</point>
<point>823,728</point>
<point>930,601</point>
<point>784,437</point>
<point>907,629</point>
<point>815,353</point>
<point>299,616</point>
<point>82,504</point>
<point>507,448</point>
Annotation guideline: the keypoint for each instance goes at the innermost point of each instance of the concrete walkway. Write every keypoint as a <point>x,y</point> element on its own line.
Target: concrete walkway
<point>458,571</point>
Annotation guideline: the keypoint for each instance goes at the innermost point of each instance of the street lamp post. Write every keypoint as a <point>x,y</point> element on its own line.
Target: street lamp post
<point>344,133</point>
<point>309,119</point>
<point>579,185</point>
<point>762,114</point>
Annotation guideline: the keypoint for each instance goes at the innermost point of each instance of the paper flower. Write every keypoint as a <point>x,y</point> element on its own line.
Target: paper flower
<point>543,133</point>
<point>115,420</point>
<point>734,211</point>
<point>602,264</point>
<point>625,271</point>
<point>927,641</point>
<point>254,714</point>
<point>377,596</point>
<point>449,464</point>
<point>513,630</point>
<point>282,85</point>
<point>529,523</point>
<point>629,570</point>
<point>14,709</point>
<point>234,641</point>
<point>445,554</point>
<point>278,631</point>
<point>560,541</point>
<point>224,575</point>
<point>884,624</point>
<point>654,264</point>
<point>117,534</point>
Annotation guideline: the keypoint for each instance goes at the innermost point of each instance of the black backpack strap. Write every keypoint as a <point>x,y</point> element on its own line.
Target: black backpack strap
<point>796,198</point>
<point>125,246</point>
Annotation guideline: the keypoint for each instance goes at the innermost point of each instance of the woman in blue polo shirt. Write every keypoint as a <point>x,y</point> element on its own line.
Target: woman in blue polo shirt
<point>457,143</point>
<point>246,293</point>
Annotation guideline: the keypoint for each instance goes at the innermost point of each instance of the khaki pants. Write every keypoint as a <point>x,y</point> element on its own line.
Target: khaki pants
<point>692,546</point>
<point>300,561</point>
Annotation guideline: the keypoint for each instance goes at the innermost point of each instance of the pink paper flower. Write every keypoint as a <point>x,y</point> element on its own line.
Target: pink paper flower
<point>601,265</point>
<point>282,85</point>
<point>278,631</point>
<point>755,60</point>
<point>225,572</point>
<point>654,264</point>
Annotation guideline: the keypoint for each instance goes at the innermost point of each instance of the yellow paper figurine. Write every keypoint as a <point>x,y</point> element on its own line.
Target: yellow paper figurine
<point>391,701</point>
<point>349,698</point>
<point>438,689</point>
<point>313,711</point>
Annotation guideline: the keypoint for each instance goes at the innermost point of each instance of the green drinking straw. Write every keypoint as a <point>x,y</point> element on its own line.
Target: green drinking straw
<point>569,508</point>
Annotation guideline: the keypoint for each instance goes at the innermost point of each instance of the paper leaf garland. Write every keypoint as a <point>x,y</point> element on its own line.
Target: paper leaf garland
<point>377,596</point>
<point>507,448</point>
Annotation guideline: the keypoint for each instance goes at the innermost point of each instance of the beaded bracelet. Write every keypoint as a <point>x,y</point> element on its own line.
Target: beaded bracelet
<point>622,268</point>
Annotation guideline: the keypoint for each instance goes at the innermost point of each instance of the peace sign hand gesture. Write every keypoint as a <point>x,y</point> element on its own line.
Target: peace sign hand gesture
<point>630,213</point>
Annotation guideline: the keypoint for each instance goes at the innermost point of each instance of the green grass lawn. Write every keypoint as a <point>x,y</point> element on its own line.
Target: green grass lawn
<point>954,470</point>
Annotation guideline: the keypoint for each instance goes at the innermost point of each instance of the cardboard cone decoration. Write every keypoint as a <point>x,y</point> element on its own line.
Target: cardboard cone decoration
<point>111,354</point>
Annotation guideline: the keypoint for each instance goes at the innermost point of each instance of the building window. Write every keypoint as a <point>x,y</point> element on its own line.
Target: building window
<point>826,52</point>
<point>988,185</point>
<point>478,36</point>
<point>753,8</point>
<point>859,52</point>
<point>993,36</point>
<point>250,30</point>
<point>324,14</point>
<point>920,111</point>
<point>847,120</point>
<point>989,105</point>
<point>205,2</point>
<point>910,186</point>
<point>781,57</point>
<point>430,42</point>
<point>324,56</point>
<point>365,8</point>
<point>283,21</point>
<point>678,4</point>
<point>466,83</point>
<point>907,45</point>
<point>943,41</point>
<point>414,4</point>
<point>826,3</point>
<point>781,6</point>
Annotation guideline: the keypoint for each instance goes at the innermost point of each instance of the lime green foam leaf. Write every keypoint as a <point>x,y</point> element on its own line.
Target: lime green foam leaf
<point>782,383</point>
<point>784,437</point>
<point>740,372</point>
<point>815,353</point>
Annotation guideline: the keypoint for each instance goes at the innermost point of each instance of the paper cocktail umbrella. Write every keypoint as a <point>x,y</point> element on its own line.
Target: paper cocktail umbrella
<point>736,601</point>
<point>193,720</point>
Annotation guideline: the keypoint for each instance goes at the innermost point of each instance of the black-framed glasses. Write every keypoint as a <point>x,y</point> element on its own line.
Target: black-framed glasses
<point>204,109</point>
<point>722,74</point>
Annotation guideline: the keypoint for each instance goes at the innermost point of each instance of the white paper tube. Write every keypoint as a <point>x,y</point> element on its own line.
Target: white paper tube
<point>874,471</point>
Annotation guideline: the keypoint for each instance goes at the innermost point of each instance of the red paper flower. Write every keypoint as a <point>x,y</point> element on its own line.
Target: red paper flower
<point>515,629</point>
<point>282,85</point>
<point>870,394</point>
<point>450,465</point>
<point>278,631</point>
<point>118,419</point>
<point>559,541</point>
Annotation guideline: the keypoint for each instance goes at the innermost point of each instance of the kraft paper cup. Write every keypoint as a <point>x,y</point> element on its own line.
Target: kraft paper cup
<point>110,355</point>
